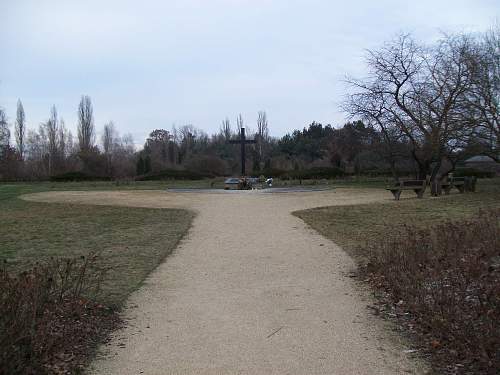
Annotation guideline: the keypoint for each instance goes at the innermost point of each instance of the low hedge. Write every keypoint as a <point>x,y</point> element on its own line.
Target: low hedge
<point>76,176</point>
<point>271,172</point>
<point>314,173</point>
<point>471,172</point>
<point>171,174</point>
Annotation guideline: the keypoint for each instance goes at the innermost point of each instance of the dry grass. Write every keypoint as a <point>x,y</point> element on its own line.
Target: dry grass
<point>356,226</point>
<point>130,241</point>
<point>50,320</point>
<point>434,264</point>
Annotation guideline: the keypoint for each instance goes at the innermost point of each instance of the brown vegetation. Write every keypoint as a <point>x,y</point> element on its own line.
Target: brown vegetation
<point>435,266</point>
<point>443,283</point>
<point>49,317</point>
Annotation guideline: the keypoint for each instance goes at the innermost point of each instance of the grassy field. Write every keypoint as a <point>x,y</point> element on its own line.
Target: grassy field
<point>131,241</point>
<point>350,182</point>
<point>9,190</point>
<point>354,226</point>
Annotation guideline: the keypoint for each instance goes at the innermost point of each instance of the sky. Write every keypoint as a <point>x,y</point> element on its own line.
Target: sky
<point>151,64</point>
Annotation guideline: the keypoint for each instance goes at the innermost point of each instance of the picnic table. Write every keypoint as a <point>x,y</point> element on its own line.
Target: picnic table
<point>462,184</point>
<point>418,186</point>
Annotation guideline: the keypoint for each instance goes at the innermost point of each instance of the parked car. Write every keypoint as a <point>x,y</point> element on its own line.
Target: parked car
<point>244,183</point>
<point>232,183</point>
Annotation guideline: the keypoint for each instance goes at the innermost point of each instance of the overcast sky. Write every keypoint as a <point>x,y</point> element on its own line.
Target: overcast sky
<point>150,64</point>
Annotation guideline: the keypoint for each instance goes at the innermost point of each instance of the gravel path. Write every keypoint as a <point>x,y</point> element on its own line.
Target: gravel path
<point>250,290</point>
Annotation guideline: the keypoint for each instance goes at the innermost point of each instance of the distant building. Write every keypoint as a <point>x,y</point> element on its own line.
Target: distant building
<point>482,163</point>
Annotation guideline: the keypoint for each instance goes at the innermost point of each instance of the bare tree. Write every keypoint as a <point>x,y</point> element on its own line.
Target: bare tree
<point>262,137</point>
<point>86,131</point>
<point>108,144</point>
<point>419,91</point>
<point>123,162</point>
<point>127,143</point>
<point>4,130</point>
<point>484,98</point>
<point>225,129</point>
<point>20,128</point>
<point>62,139</point>
<point>262,126</point>
<point>34,146</point>
<point>239,122</point>
<point>70,146</point>
<point>188,136</point>
<point>371,109</point>
<point>36,151</point>
<point>52,132</point>
<point>4,134</point>
<point>108,138</point>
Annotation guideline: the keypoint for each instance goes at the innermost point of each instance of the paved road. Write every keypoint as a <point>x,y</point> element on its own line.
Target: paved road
<point>251,290</point>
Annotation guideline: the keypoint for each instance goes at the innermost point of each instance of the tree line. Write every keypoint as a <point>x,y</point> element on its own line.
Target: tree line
<point>421,110</point>
<point>52,151</point>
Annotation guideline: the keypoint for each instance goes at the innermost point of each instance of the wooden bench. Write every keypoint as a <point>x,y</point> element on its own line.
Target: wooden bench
<point>418,186</point>
<point>470,183</point>
<point>458,182</point>
<point>463,184</point>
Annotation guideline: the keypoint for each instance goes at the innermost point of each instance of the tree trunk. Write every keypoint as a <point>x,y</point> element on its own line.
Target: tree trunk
<point>423,166</point>
<point>435,180</point>
<point>392,166</point>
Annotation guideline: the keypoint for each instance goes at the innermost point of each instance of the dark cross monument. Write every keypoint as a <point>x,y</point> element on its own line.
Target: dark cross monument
<point>243,141</point>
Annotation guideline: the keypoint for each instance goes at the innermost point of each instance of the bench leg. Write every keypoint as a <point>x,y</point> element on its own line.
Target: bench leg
<point>435,193</point>
<point>419,192</point>
<point>436,189</point>
<point>396,193</point>
<point>470,185</point>
<point>461,188</point>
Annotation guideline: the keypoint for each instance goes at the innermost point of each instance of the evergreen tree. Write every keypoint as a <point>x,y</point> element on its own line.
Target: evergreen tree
<point>147,164</point>
<point>140,166</point>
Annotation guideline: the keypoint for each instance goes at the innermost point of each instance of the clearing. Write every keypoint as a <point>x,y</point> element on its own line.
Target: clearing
<point>251,289</point>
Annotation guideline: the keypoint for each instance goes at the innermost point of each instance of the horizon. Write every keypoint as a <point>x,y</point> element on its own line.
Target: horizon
<point>189,62</point>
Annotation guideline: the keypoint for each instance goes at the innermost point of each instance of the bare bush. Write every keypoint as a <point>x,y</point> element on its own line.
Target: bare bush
<point>48,320</point>
<point>445,284</point>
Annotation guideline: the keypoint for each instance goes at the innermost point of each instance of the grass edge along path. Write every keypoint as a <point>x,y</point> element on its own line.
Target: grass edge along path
<point>130,243</point>
<point>403,270</point>
<point>354,226</point>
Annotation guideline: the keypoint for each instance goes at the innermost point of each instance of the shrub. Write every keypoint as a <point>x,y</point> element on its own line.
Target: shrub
<point>47,322</point>
<point>315,173</point>
<point>174,174</point>
<point>207,165</point>
<point>76,177</point>
<point>444,282</point>
<point>471,172</point>
<point>272,172</point>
